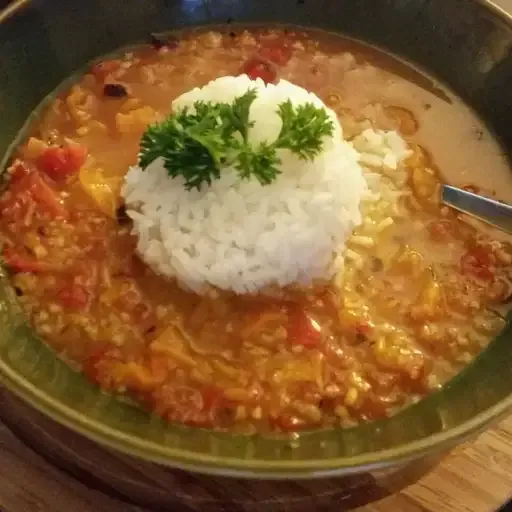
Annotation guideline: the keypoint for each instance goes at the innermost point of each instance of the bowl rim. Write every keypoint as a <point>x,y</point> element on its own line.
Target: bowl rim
<point>239,467</point>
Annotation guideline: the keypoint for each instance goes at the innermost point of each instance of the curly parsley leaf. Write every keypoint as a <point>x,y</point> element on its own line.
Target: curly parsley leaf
<point>303,130</point>
<point>197,144</point>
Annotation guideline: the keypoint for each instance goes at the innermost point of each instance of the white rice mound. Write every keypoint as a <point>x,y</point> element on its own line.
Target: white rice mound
<point>240,235</point>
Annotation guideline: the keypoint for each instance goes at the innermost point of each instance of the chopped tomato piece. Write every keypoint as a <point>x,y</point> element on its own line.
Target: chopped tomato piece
<point>44,194</point>
<point>21,263</point>
<point>93,366</point>
<point>211,396</point>
<point>30,184</point>
<point>258,68</point>
<point>103,69</point>
<point>60,163</point>
<point>277,52</point>
<point>18,170</point>
<point>302,329</point>
<point>289,423</point>
<point>73,296</point>
<point>478,262</point>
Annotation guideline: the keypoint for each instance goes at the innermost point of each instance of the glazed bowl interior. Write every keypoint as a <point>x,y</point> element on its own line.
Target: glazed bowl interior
<point>464,44</point>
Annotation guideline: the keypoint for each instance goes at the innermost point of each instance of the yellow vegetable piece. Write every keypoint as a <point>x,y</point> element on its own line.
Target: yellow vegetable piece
<point>104,190</point>
<point>134,375</point>
<point>135,121</point>
<point>430,303</point>
<point>34,148</point>
<point>299,370</point>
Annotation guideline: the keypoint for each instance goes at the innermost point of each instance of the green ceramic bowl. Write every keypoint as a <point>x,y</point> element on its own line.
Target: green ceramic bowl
<point>464,43</point>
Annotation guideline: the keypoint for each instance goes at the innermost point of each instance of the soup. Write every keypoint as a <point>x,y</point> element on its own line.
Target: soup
<point>414,292</point>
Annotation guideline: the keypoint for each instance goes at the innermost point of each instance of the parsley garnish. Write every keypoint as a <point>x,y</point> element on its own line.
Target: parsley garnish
<point>197,144</point>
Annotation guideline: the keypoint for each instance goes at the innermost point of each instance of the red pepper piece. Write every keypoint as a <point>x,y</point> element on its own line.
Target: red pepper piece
<point>302,329</point>
<point>60,163</point>
<point>258,68</point>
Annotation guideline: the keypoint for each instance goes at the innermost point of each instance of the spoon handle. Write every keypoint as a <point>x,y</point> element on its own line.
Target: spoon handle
<point>487,210</point>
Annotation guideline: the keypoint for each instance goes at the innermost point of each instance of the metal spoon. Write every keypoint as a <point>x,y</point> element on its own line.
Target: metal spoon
<point>487,210</point>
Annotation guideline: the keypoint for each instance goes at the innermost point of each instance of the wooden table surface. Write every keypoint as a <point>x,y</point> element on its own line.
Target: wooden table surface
<point>476,477</point>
